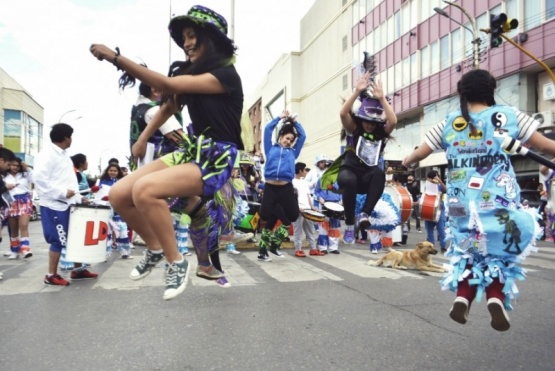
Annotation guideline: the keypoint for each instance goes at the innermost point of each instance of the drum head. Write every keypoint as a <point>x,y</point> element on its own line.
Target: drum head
<point>393,193</point>
<point>333,206</point>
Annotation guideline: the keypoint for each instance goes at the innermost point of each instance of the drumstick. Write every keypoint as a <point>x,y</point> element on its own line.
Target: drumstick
<point>85,190</point>
<point>514,146</point>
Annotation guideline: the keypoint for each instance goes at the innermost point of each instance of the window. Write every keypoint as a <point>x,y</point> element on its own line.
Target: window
<point>345,82</point>
<point>397,18</point>
<point>344,42</point>
<point>445,56</point>
<point>398,77</point>
<point>425,61</point>
<point>434,51</point>
<point>413,68</point>
<point>356,16</point>
<point>405,65</point>
<point>425,10</point>
<point>457,50</point>
<point>549,9</point>
<point>532,15</point>
<point>370,5</point>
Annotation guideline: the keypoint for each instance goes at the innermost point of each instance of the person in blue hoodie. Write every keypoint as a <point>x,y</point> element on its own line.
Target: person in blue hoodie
<point>279,201</point>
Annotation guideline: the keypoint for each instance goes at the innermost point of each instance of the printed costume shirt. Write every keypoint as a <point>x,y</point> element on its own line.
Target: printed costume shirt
<point>489,230</point>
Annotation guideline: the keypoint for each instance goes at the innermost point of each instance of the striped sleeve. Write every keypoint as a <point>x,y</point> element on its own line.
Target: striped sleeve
<point>434,137</point>
<point>527,125</point>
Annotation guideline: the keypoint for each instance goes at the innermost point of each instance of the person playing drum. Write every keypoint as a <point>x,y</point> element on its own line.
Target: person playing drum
<point>430,225</point>
<point>328,231</point>
<point>302,187</point>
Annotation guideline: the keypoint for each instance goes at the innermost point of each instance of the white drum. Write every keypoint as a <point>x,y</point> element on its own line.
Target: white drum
<point>87,233</point>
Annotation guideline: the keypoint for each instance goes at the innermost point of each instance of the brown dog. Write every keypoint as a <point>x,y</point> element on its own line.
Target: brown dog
<point>418,258</point>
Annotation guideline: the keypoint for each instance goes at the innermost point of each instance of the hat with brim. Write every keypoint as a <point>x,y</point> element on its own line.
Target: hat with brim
<point>369,109</point>
<point>198,16</point>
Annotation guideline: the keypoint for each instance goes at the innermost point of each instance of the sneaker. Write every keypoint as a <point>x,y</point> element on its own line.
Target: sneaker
<point>55,280</point>
<point>126,257</point>
<point>499,316</point>
<point>363,222</point>
<point>25,253</point>
<point>222,282</point>
<point>300,254</point>
<point>362,242</point>
<point>187,253</point>
<point>419,231</point>
<point>13,256</point>
<point>274,250</point>
<point>235,238</point>
<point>1,275</point>
<point>7,252</point>
<point>336,252</point>
<point>264,257</point>
<point>83,274</point>
<point>177,275</point>
<point>146,264</point>
<point>210,273</point>
<point>230,248</point>
<point>316,252</point>
<point>459,311</point>
<point>349,237</point>
<point>374,251</point>
<point>252,240</point>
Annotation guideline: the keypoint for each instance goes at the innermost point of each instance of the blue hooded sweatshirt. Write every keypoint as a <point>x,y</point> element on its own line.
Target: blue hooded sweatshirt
<point>280,161</point>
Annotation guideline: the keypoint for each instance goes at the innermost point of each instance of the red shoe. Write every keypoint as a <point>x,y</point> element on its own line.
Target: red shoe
<point>316,252</point>
<point>83,274</point>
<point>55,280</point>
<point>300,254</point>
<point>362,242</point>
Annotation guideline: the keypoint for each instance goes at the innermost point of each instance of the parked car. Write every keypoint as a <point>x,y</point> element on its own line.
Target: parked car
<point>532,196</point>
<point>36,207</point>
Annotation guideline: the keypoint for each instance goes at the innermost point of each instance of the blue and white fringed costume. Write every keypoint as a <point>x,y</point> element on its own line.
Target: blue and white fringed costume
<point>385,216</point>
<point>489,230</point>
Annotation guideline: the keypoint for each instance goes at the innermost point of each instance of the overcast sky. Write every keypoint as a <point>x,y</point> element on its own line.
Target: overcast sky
<point>44,46</point>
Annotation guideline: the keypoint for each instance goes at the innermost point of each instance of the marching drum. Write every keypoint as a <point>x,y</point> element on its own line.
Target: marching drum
<point>314,216</point>
<point>87,233</point>
<point>250,222</point>
<point>428,207</point>
<point>402,198</point>
<point>333,210</point>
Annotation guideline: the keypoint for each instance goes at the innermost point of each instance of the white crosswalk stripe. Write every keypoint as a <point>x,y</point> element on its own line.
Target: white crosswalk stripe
<point>25,276</point>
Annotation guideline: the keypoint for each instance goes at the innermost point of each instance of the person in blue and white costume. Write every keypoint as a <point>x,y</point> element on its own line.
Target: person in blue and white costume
<point>490,232</point>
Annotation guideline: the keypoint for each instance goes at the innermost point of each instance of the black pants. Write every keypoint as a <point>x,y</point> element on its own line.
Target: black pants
<point>279,202</point>
<point>370,181</point>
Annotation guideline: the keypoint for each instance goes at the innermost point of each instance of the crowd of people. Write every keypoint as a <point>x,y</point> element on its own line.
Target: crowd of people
<point>196,184</point>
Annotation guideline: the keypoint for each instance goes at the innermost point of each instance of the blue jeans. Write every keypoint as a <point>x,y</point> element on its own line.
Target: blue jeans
<point>440,225</point>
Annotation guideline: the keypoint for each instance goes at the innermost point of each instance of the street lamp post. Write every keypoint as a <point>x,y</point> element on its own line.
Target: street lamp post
<point>474,30</point>
<point>65,113</point>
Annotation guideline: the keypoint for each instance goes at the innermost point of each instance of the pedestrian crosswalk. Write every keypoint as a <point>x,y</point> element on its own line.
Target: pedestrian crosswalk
<point>26,276</point>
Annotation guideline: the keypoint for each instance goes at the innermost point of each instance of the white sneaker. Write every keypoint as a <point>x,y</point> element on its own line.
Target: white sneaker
<point>459,310</point>
<point>231,249</point>
<point>1,275</point>
<point>499,316</point>
<point>13,256</point>
<point>7,252</point>
<point>374,251</point>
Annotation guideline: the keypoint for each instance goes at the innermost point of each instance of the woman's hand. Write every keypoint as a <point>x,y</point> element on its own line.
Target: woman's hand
<point>363,82</point>
<point>285,113</point>
<point>138,149</point>
<point>102,52</point>
<point>377,90</point>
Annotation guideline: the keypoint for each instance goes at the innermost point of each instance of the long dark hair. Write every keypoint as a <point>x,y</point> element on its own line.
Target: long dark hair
<point>105,175</point>
<point>219,52</point>
<point>476,86</point>
<point>127,80</point>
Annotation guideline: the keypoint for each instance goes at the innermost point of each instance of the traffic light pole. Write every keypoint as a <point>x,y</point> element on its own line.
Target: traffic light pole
<point>539,61</point>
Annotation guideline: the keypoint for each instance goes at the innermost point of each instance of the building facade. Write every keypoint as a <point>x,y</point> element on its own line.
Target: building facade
<point>420,56</point>
<point>21,119</point>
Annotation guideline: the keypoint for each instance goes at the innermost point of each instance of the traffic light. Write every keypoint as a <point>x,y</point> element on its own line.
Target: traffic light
<point>496,23</point>
<point>510,24</point>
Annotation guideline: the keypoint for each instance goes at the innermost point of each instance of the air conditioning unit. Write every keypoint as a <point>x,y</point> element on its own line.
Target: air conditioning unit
<point>549,91</point>
<point>545,118</point>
